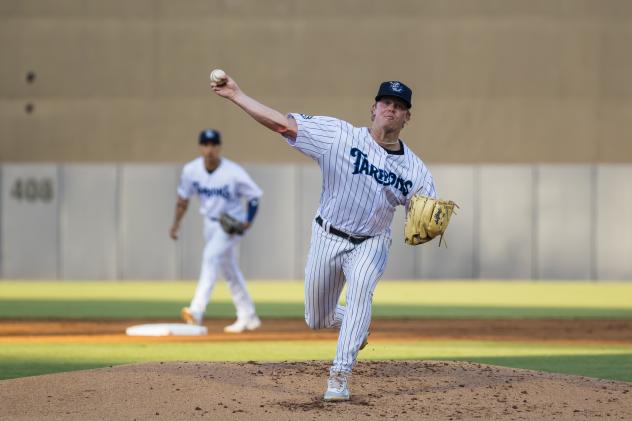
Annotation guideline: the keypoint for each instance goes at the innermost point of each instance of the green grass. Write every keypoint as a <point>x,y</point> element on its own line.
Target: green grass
<point>422,299</point>
<point>159,310</point>
<point>444,299</point>
<point>610,362</point>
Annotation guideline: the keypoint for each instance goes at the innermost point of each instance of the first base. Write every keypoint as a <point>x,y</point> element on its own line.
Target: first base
<point>166,329</point>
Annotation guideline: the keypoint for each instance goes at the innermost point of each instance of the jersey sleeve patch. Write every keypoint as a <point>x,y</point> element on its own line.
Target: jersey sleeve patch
<point>315,134</point>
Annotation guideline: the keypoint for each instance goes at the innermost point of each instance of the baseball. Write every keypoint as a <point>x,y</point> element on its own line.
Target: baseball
<point>218,76</point>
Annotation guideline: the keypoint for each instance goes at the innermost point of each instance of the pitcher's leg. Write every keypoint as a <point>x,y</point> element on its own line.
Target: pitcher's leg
<point>324,280</point>
<point>363,271</point>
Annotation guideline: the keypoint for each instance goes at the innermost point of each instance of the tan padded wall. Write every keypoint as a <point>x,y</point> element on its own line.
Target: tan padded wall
<point>509,81</point>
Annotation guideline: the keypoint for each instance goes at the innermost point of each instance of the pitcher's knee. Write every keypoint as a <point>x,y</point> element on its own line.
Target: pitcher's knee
<point>312,323</point>
<point>316,323</point>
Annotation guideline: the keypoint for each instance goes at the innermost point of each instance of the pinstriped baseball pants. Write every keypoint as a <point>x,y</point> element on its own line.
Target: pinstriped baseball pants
<point>332,262</point>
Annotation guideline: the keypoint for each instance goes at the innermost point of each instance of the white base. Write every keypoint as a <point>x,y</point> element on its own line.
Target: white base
<point>166,329</point>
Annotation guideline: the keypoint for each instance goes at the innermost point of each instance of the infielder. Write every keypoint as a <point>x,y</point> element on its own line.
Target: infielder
<point>220,185</point>
<point>367,172</point>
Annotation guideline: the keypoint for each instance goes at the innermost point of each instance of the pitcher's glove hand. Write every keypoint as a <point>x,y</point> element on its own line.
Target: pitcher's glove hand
<point>427,218</point>
<point>231,225</point>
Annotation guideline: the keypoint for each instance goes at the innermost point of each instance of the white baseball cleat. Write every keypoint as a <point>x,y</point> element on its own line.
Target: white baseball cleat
<point>241,325</point>
<point>337,387</point>
<point>189,317</point>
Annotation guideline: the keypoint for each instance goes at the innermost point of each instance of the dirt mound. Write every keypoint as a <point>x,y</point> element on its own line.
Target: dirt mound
<point>408,390</point>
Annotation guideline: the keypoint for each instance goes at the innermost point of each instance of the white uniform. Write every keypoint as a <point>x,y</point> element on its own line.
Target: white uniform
<point>362,185</point>
<point>221,191</point>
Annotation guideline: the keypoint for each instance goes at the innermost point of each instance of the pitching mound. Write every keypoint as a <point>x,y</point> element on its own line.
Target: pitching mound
<point>409,390</point>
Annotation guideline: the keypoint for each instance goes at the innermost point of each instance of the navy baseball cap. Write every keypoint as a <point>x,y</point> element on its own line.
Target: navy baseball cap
<point>210,136</point>
<point>397,89</point>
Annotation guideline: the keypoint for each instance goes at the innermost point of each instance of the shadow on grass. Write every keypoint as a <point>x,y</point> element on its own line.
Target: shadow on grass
<point>129,309</point>
<point>611,366</point>
<point>25,368</point>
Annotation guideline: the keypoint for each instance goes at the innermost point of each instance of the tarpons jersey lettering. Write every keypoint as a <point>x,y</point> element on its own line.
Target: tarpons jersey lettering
<point>384,177</point>
<point>219,192</point>
<point>362,183</point>
<point>213,191</point>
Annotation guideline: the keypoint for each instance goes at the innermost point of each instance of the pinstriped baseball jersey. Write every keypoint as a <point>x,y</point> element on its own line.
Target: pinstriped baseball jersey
<point>362,182</point>
<point>220,191</point>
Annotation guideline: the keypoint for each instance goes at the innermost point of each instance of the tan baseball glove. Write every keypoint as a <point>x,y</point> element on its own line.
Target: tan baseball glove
<point>427,218</point>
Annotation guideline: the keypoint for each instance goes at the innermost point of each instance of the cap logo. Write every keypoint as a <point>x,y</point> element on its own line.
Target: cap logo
<point>209,133</point>
<point>396,87</point>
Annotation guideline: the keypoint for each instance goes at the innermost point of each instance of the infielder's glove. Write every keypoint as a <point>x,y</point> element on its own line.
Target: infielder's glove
<point>427,218</point>
<point>231,225</point>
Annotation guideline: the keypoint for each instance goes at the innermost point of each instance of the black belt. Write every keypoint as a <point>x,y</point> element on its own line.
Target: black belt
<point>351,238</point>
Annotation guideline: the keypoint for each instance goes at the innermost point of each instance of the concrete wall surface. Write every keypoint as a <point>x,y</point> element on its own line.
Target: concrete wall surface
<point>111,221</point>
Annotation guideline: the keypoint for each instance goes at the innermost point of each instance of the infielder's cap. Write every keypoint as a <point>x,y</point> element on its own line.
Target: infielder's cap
<point>210,136</point>
<point>396,89</point>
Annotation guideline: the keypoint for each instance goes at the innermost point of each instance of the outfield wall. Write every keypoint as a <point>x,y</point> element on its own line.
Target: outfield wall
<point>111,221</point>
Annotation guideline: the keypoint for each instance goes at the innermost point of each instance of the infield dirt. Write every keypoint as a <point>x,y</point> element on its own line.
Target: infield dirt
<point>557,330</point>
